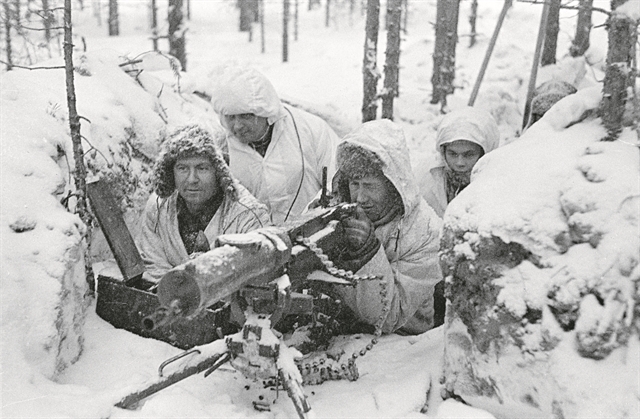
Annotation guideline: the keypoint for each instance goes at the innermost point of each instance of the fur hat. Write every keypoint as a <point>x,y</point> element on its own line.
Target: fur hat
<point>189,141</point>
<point>547,94</point>
<point>356,162</point>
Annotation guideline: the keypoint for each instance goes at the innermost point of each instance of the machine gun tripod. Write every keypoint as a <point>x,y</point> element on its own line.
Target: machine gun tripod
<point>253,272</point>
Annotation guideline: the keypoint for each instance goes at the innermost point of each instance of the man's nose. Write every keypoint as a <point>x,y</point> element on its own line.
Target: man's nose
<point>236,124</point>
<point>361,196</point>
<point>193,176</point>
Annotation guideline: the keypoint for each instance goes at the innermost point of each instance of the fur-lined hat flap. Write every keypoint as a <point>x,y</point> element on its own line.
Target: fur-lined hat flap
<point>189,141</point>
<point>384,139</point>
<point>548,94</point>
<point>471,124</point>
<point>241,90</point>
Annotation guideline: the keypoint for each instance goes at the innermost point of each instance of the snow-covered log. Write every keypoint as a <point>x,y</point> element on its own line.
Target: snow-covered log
<point>541,257</point>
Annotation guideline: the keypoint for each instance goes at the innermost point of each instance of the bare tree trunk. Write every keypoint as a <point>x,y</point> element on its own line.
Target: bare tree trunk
<point>473,16</point>
<point>285,31</point>
<point>18,13</point>
<point>580,43</point>
<point>7,33</point>
<point>444,56</point>
<point>114,23</point>
<point>188,9</point>
<point>534,66</point>
<point>617,107</point>
<point>370,73</point>
<point>405,15</point>
<point>261,12</point>
<point>245,15</point>
<point>80,172</point>
<point>487,55</point>
<point>327,14</point>
<point>295,21</point>
<point>352,9</point>
<point>391,70</point>
<point>551,34</point>
<point>177,41</point>
<point>47,20</point>
<point>255,11</point>
<point>154,24</point>
<point>96,11</point>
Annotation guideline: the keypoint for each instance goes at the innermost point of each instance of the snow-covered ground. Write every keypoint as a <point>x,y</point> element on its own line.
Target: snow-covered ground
<point>82,372</point>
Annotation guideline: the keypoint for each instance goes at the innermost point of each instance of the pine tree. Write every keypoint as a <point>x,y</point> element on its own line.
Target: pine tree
<point>114,19</point>
<point>154,24</point>
<point>47,20</point>
<point>370,73</point>
<point>444,55</point>
<point>391,70</point>
<point>7,33</point>
<point>617,108</point>
<point>285,31</point>
<point>327,15</point>
<point>473,16</point>
<point>580,43</point>
<point>261,17</point>
<point>177,41</point>
<point>551,34</point>
<point>80,171</point>
<point>245,15</point>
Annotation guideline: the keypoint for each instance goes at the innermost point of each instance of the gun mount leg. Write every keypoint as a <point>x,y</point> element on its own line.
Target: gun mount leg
<point>296,393</point>
<point>201,363</point>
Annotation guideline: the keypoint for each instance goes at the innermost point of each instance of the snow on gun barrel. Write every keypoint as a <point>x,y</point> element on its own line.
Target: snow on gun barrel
<point>237,260</point>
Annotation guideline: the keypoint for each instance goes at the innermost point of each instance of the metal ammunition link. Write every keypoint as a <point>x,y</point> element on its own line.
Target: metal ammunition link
<point>312,374</point>
<point>319,369</point>
<point>330,267</point>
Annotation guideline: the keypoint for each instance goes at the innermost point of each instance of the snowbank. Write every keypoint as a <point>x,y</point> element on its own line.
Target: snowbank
<point>541,255</point>
<point>44,292</point>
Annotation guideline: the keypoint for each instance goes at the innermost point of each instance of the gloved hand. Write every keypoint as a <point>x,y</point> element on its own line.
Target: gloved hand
<point>361,241</point>
<point>358,230</point>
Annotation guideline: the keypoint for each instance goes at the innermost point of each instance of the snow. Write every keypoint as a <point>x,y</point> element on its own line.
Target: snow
<point>62,360</point>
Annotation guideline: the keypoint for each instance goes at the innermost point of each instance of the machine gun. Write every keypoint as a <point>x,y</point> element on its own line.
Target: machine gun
<point>254,272</point>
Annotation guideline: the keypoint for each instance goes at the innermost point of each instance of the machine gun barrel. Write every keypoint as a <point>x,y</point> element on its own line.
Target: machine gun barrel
<point>162,316</point>
<point>237,260</point>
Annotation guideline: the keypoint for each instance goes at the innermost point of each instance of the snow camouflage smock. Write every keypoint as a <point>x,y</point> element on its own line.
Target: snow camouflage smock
<point>275,178</point>
<point>160,244</point>
<point>469,124</point>
<point>408,257</point>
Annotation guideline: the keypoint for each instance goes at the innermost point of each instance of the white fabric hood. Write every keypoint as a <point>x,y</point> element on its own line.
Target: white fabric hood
<point>469,124</point>
<point>240,90</point>
<point>386,139</point>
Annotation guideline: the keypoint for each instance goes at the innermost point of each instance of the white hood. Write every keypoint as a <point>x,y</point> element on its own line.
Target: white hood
<point>245,90</point>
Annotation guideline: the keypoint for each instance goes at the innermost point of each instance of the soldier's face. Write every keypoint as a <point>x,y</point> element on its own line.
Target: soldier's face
<point>246,127</point>
<point>373,194</point>
<point>195,179</point>
<point>462,155</point>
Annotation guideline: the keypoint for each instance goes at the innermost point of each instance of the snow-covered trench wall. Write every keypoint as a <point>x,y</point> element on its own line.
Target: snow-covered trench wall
<point>540,255</point>
<point>126,111</point>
